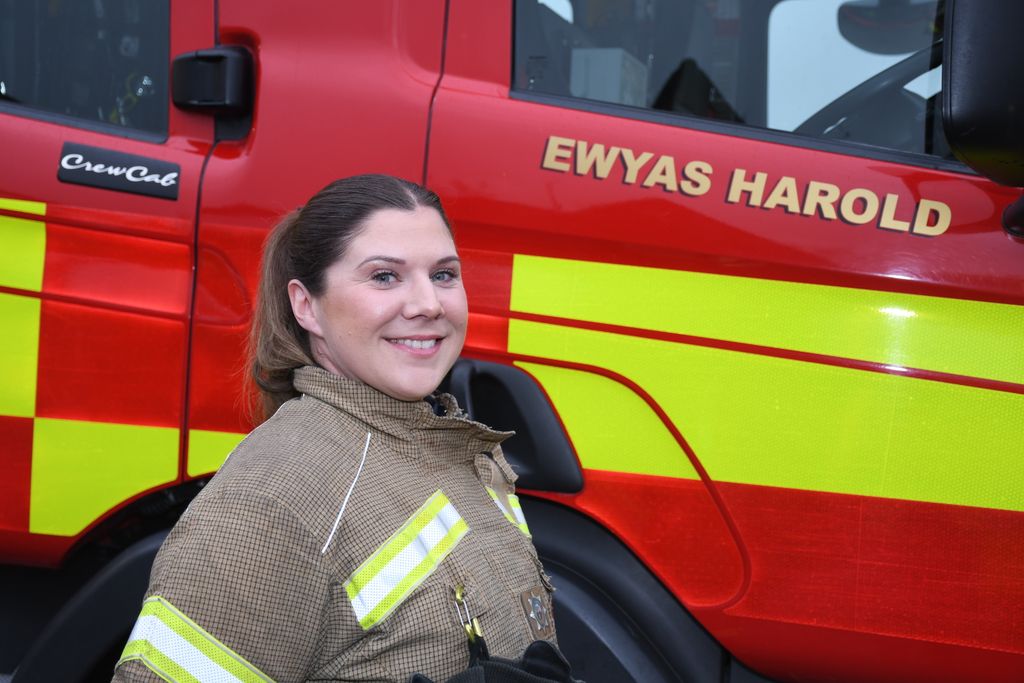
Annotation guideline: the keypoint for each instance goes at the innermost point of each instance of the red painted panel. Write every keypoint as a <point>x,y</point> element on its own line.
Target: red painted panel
<point>917,570</point>
<point>15,472</point>
<point>797,653</point>
<point>119,270</point>
<point>40,550</point>
<point>674,526</point>
<point>842,588</point>
<point>225,290</point>
<point>108,366</point>
<point>217,399</point>
<point>174,228</point>
<point>373,118</point>
<point>487,276</point>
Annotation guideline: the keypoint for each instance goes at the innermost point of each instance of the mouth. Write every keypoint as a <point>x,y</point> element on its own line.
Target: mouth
<point>420,344</point>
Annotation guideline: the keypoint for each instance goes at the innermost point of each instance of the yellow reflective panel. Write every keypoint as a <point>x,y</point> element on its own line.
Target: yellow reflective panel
<point>774,422</point>
<point>19,354</point>
<point>23,205</point>
<point>80,470</point>
<point>611,427</point>
<point>22,253</point>
<point>969,338</point>
<point>207,450</point>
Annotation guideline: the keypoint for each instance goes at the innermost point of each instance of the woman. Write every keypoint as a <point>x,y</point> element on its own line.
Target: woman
<point>361,532</point>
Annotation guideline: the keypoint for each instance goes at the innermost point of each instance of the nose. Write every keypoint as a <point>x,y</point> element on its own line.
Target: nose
<point>423,300</point>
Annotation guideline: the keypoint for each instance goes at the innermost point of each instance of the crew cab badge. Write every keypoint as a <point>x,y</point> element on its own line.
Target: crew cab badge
<point>111,170</point>
<point>537,612</point>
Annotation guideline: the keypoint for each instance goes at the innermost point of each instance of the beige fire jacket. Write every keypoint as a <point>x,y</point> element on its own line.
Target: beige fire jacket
<point>330,545</point>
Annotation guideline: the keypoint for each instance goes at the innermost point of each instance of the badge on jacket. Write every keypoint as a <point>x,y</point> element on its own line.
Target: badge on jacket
<point>537,613</point>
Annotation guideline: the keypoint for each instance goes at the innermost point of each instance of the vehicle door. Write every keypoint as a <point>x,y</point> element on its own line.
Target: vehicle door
<point>777,319</point>
<point>98,187</point>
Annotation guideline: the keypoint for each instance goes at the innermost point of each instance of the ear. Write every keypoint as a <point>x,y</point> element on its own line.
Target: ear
<point>304,308</point>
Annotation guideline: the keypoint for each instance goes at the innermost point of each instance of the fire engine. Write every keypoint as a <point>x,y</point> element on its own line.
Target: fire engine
<point>745,276</point>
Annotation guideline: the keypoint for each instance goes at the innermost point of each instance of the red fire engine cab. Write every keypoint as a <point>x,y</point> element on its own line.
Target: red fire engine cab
<point>745,276</point>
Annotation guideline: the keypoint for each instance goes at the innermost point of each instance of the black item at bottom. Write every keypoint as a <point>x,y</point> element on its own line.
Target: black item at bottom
<point>541,663</point>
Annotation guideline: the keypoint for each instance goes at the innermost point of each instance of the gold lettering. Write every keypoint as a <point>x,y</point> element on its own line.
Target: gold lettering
<point>662,173</point>
<point>696,178</point>
<point>595,157</point>
<point>888,220</point>
<point>943,217</point>
<point>784,193</point>
<point>848,206</point>
<point>821,196</point>
<point>739,184</point>
<point>633,164</point>
<point>557,153</point>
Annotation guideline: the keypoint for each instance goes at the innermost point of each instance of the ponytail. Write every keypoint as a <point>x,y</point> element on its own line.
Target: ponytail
<point>277,344</point>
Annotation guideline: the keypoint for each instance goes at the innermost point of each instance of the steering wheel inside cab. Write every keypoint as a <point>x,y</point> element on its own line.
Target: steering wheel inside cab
<point>881,111</point>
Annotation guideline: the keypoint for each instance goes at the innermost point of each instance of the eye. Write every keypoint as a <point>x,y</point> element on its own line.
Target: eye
<point>445,275</point>
<point>384,277</point>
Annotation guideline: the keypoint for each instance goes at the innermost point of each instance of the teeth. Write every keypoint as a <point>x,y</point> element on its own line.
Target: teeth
<point>416,343</point>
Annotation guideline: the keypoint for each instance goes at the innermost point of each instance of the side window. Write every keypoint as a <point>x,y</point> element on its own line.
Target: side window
<point>102,61</point>
<point>862,71</point>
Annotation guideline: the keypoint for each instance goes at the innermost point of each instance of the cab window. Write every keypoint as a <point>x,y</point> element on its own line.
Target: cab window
<point>99,61</point>
<point>860,71</point>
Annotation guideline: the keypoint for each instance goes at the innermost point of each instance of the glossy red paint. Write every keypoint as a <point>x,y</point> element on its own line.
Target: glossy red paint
<point>799,585</point>
<point>820,598</point>
<point>597,220</point>
<point>117,277</point>
<point>106,366</point>
<point>15,472</point>
<point>107,269</point>
<point>841,588</point>
<point>394,53</point>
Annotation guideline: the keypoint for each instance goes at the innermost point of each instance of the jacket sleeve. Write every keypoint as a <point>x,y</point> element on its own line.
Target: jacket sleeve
<point>238,587</point>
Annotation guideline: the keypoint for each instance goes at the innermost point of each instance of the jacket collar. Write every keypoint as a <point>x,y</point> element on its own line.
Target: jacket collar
<point>405,420</point>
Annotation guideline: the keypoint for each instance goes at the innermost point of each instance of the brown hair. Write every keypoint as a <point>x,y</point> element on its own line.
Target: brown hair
<point>303,246</point>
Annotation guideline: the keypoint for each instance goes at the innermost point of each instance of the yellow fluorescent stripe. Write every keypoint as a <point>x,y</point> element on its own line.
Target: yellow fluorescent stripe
<point>207,450</point>
<point>23,205</point>
<point>394,545</point>
<point>157,662</point>
<point>193,634</point>
<point>22,253</point>
<point>774,422</point>
<point>80,470</point>
<point>517,510</point>
<point>610,426</point>
<point>415,577</point>
<point>19,354</point>
<point>945,335</point>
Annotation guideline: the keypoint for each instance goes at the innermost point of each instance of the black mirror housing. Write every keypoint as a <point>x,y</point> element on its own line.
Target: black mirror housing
<point>983,87</point>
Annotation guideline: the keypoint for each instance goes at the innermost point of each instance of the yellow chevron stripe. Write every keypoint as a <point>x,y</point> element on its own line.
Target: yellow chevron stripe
<point>969,338</point>
<point>80,470</point>
<point>23,205</point>
<point>774,422</point>
<point>19,354</point>
<point>22,253</point>
<point>207,450</point>
<point>610,426</point>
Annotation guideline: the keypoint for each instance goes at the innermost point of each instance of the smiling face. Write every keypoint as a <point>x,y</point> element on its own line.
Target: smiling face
<point>393,312</point>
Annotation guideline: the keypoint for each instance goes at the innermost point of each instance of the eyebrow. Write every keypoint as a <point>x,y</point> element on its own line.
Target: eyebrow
<point>401,262</point>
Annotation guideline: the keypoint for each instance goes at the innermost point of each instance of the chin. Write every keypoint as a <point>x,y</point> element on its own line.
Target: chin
<point>412,391</point>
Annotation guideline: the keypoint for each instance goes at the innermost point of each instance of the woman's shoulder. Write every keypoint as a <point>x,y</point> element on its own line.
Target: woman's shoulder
<point>300,455</point>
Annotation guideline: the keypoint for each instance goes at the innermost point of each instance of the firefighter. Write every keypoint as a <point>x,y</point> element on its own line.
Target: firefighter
<point>367,529</point>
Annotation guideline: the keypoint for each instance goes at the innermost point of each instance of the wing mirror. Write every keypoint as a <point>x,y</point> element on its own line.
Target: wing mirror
<point>983,93</point>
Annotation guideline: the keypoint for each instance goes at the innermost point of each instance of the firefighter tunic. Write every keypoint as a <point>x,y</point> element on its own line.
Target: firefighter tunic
<point>351,537</point>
